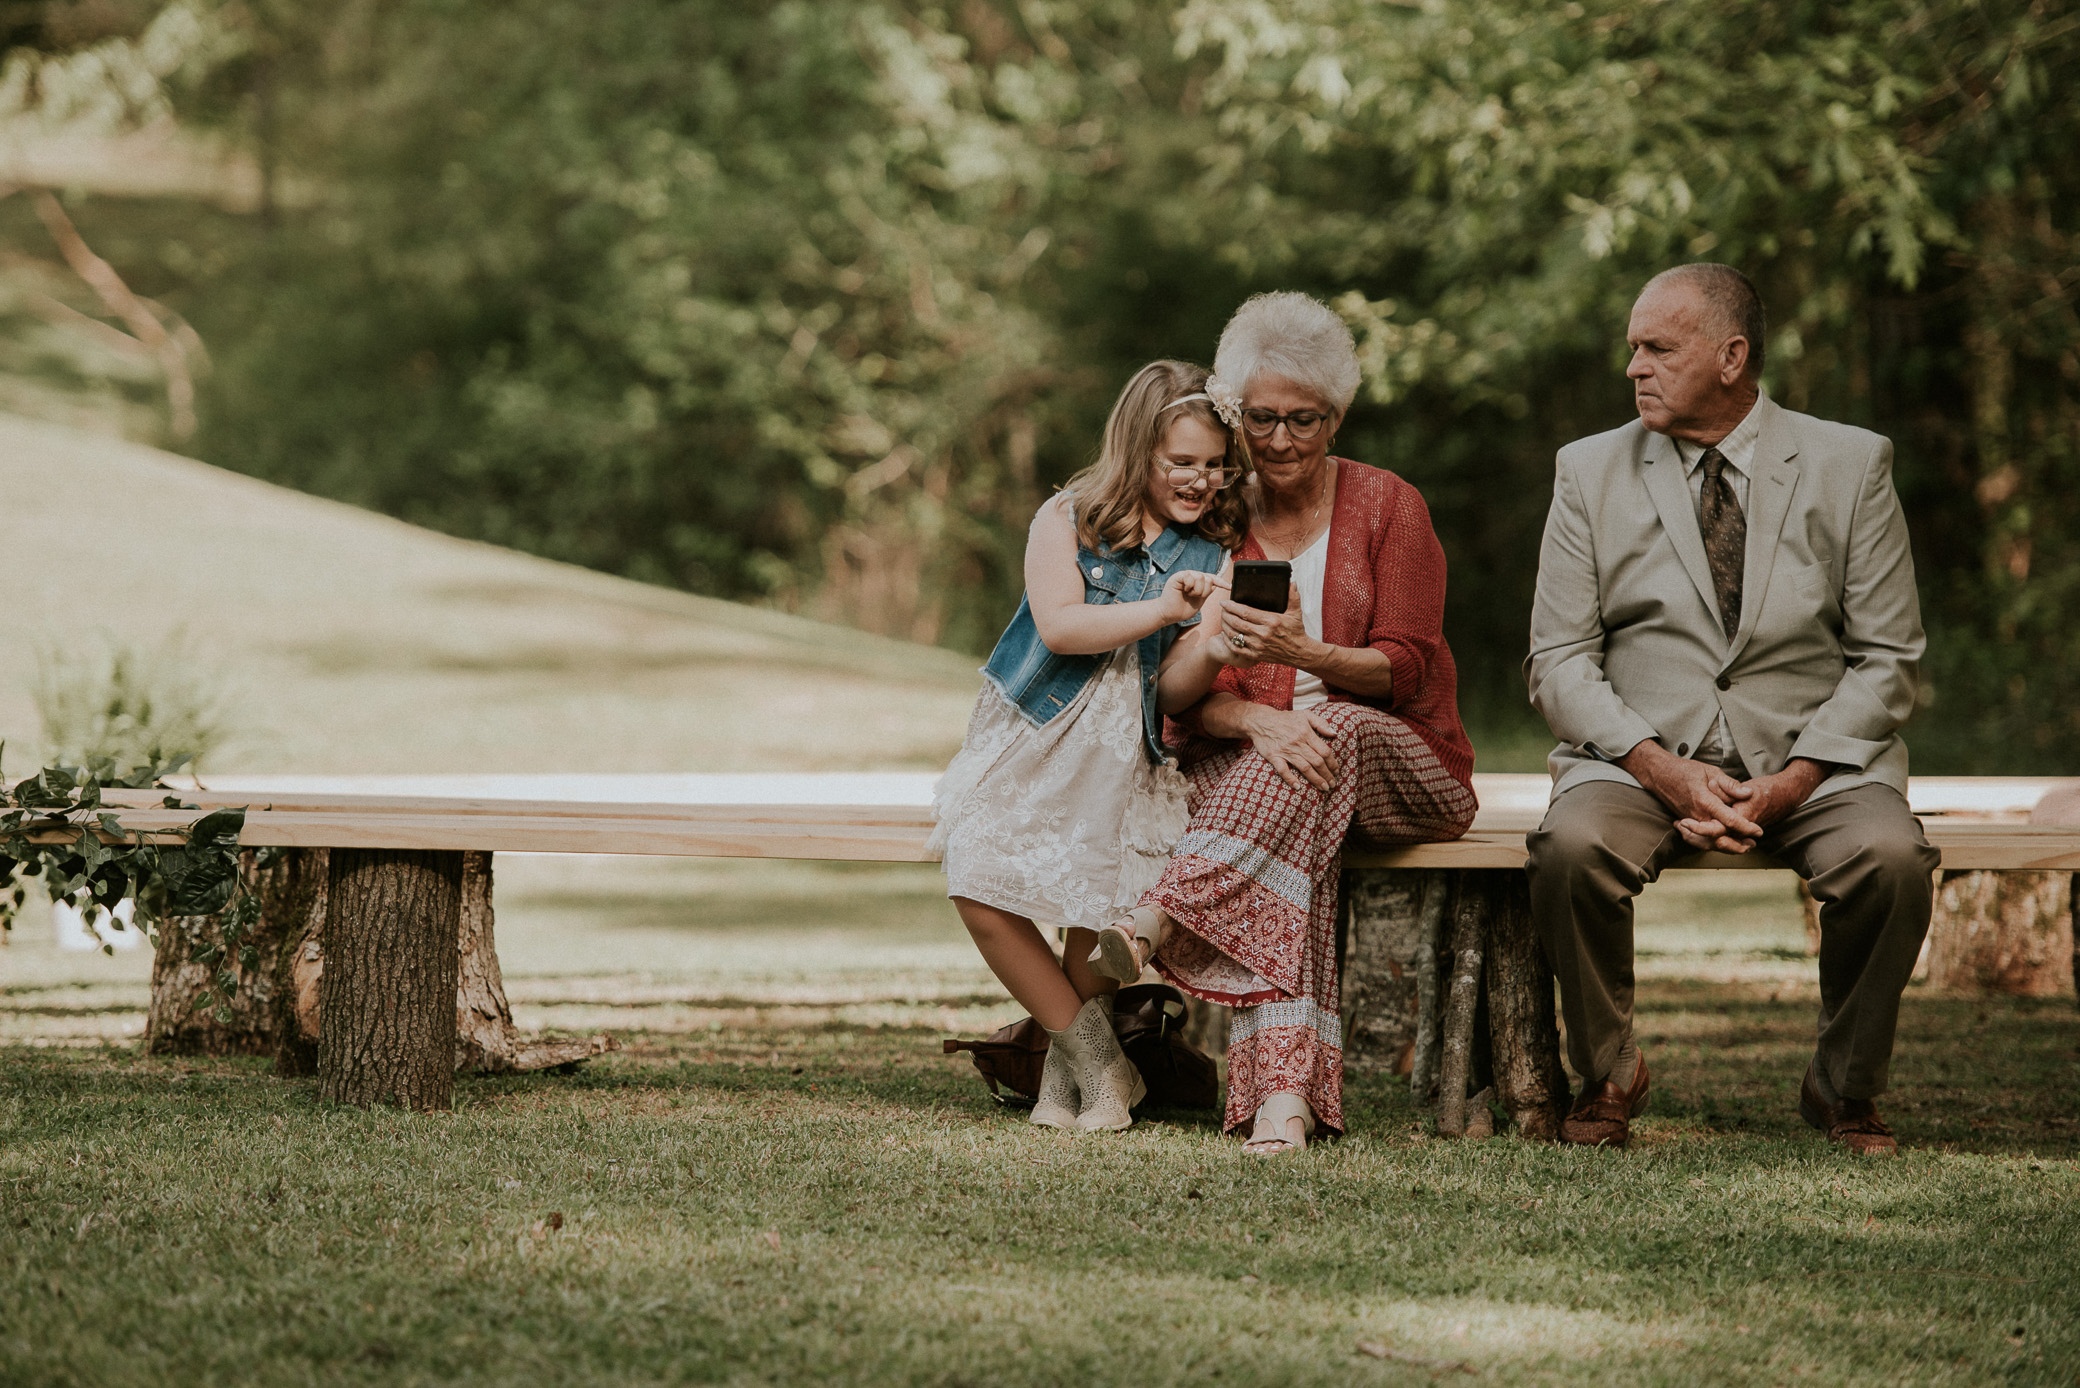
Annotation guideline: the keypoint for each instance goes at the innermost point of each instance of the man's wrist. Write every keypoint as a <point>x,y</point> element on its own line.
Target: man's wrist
<point>1808,773</point>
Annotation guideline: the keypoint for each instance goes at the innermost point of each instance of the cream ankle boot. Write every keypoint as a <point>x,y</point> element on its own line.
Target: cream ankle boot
<point>1106,1081</point>
<point>1056,1106</point>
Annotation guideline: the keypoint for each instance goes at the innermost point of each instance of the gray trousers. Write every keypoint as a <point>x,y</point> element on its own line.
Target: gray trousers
<point>1861,852</point>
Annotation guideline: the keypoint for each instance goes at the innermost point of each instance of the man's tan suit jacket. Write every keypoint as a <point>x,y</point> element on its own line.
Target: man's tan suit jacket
<point>1626,642</point>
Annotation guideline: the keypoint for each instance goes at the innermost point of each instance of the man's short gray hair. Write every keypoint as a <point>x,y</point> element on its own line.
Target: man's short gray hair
<point>1291,335</point>
<point>1732,305</point>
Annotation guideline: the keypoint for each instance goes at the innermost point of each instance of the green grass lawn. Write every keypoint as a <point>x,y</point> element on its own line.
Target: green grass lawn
<point>836,1203</point>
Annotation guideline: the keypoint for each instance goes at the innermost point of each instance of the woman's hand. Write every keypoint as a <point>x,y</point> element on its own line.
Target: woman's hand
<point>1296,743</point>
<point>1278,637</point>
<point>1185,593</point>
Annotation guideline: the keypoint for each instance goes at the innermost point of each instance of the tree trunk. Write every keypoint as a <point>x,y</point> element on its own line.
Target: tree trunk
<point>1430,969</point>
<point>388,994</point>
<point>483,1019</point>
<point>299,974</point>
<point>1462,1003</point>
<point>1395,918</point>
<point>185,1009</point>
<point>2073,918</point>
<point>484,1036</point>
<point>2003,932</point>
<point>1530,1083</point>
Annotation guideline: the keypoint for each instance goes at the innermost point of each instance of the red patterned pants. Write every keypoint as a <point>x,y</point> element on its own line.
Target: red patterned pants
<point>1252,887</point>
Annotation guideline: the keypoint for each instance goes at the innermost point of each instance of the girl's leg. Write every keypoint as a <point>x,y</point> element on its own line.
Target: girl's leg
<point>1015,952</point>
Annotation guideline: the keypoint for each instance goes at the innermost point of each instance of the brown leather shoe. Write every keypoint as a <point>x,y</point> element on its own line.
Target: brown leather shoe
<point>1854,1123</point>
<point>1602,1116</point>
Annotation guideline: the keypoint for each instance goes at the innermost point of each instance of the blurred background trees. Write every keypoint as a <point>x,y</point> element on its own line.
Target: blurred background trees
<point>810,304</point>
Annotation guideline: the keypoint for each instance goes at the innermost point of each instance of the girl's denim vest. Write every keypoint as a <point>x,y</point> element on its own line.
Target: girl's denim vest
<point>1041,684</point>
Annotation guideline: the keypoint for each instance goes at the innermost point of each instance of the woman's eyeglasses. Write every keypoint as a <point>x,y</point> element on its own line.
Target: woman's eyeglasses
<point>1302,425</point>
<point>1216,478</point>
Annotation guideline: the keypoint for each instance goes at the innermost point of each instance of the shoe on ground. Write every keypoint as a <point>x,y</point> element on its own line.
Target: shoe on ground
<point>1853,1123</point>
<point>1602,1116</point>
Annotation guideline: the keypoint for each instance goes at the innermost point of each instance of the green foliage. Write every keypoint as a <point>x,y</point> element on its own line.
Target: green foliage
<point>134,708</point>
<point>1495,181</point>
<point>810,303</point>
<point>55,828</point>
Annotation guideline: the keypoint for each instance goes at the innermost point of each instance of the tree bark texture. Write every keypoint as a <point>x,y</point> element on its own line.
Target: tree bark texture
<point>1529,1081</point>
<point>1462,1002</point>
<point>2003,932</point>
<point>299,973</point>
<point>1470,1004</point>
<point>485,1039</point>
<point>183,1019</point>
<point>484,1036</point>
<point>388,994</point>
<point>1390,955</point>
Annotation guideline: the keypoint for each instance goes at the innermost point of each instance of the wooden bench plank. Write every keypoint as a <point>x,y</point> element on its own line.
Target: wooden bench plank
<point>1969,838</point>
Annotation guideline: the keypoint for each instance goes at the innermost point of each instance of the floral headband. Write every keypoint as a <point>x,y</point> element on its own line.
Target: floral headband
<point>1226,403</point>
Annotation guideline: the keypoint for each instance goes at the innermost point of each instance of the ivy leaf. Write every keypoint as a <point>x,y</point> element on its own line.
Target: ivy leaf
<point>37,793</point>
<point>93,853</point>
<point>206,887</point>
<point>217,830</point>
<point>109,885</point>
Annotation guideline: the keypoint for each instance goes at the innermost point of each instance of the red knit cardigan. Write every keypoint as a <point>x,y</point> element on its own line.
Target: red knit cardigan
<point>1383,589</point>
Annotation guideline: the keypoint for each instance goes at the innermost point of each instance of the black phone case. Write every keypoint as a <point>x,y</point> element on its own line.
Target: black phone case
<point>1262,583</point>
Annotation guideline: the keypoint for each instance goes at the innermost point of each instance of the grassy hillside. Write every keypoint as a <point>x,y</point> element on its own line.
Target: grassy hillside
<point>349,642</point>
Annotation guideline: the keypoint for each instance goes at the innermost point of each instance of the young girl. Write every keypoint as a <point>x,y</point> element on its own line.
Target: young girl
<point>1063,803</point>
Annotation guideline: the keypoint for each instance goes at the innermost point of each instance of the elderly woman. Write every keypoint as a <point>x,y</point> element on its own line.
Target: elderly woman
<point>1338,715</point>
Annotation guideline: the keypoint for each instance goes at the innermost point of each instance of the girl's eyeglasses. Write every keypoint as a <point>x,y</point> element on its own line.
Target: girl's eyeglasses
<point>1216,478</point>
<point>1301,424</point>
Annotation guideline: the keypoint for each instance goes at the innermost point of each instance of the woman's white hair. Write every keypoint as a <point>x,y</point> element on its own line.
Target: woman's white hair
<point>1291,335</point>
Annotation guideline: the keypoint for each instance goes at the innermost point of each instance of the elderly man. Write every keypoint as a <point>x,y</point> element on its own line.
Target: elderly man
<point>1725,639</point>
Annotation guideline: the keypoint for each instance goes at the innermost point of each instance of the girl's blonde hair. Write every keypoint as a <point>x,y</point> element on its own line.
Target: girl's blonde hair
<point>1110,495</point>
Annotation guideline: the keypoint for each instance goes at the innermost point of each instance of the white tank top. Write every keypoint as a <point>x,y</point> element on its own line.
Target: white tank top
<point>1310,567</point>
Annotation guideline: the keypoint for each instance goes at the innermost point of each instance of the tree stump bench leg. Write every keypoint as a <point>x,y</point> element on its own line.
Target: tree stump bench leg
<point>387,997</point>
<point>1523,1033</point>
<point>1446,970</point>
<point>1462,1004</point>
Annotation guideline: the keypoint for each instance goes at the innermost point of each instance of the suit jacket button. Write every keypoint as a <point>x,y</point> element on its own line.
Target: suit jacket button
<point>1725,683</point>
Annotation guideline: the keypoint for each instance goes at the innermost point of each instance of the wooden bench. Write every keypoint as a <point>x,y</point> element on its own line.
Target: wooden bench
<point>1454,914</point>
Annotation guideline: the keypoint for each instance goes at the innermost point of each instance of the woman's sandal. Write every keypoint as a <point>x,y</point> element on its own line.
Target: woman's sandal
<point>1271,1136</point>
<point>1126,945</point>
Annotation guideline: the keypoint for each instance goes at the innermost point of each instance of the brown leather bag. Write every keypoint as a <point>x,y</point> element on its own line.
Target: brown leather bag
<point>1149,1018</point>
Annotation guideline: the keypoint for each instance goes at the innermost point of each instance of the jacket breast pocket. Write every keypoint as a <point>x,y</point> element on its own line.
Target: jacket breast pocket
<point>1814,582</point>
<point>1105,581</point>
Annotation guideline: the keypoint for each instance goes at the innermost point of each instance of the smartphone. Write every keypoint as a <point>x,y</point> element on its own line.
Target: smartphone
<point>1264,584</point>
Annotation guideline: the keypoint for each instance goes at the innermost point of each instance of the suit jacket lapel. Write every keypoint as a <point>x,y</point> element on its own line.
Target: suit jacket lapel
<point>1663,468</point>
<point>1774,480</point>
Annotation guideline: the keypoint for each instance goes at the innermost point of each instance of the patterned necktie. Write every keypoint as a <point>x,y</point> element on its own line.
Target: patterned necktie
<point>1725,539</point>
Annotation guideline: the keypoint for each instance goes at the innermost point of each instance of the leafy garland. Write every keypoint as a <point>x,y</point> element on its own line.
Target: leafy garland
<point>54,827</point>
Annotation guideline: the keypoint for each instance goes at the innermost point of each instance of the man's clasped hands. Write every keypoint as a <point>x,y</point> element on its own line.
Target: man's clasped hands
<point>1715,809</point>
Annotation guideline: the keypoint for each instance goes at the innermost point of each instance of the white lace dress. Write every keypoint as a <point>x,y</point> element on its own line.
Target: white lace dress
<point>1067,823</point>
